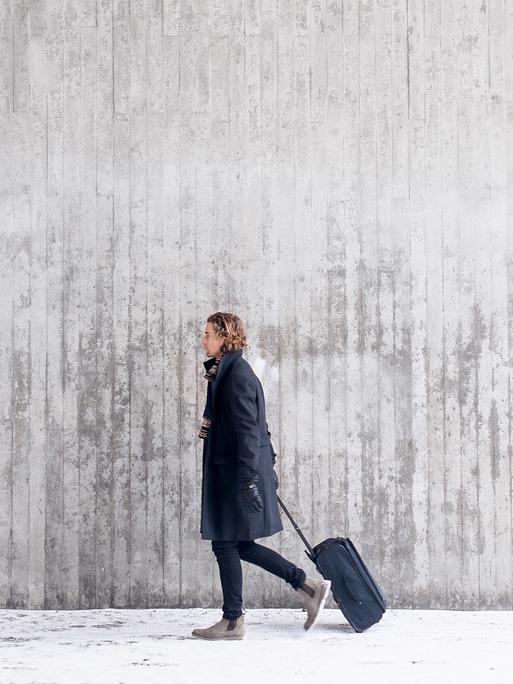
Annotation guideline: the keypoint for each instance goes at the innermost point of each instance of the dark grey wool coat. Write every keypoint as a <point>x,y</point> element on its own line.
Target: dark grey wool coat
<point>238,439</point>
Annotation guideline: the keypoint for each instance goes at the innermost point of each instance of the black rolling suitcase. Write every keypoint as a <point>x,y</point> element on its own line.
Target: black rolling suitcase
<point>355,591</point>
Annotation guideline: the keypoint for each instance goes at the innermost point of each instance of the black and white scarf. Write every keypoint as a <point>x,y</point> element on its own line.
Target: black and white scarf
<point>206,421</point>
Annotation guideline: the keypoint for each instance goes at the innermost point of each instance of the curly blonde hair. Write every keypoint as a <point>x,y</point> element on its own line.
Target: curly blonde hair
<point>230,327</point>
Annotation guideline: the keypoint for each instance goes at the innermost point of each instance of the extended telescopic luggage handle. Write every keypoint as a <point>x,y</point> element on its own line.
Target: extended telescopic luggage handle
<point>310,552</point>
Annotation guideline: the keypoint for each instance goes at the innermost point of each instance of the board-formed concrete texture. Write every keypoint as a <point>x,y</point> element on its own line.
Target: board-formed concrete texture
<point>337,173</point>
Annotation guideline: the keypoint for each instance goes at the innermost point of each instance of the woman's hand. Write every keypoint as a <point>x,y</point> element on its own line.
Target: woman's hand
<point>251,497</point>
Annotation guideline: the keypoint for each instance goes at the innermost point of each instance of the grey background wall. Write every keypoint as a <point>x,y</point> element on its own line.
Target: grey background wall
<point>339,174</point>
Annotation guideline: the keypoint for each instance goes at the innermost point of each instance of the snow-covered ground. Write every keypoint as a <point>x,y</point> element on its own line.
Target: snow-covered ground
<point>153,646</point>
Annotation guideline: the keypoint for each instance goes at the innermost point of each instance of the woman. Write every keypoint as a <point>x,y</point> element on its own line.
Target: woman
<point>239,502</point>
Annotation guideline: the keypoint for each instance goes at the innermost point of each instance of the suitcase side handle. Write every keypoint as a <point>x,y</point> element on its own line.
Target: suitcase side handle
<point>305,540</point>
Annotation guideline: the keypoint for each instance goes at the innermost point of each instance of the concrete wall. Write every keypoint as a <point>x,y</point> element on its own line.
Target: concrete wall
<point>338,174</point>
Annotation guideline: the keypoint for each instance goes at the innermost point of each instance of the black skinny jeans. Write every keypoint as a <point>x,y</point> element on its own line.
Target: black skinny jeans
<point>229,555</point>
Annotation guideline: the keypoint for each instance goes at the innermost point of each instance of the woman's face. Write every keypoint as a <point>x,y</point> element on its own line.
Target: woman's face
<point>210,342</point>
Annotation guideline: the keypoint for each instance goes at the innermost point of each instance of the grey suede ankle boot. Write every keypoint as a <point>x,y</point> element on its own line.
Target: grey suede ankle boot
<point>224,629</point>
<point>313,593</point>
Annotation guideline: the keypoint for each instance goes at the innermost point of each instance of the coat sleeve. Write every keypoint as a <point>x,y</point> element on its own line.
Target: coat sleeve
<point>242,403</point>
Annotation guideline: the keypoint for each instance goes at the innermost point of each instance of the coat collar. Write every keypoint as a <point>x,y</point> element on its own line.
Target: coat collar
<point>225,364</point>
<point>227,361</point>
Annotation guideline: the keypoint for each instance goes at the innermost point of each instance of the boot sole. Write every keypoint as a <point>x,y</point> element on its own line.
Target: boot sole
<point>327,588</point>
<point>224,638</point>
